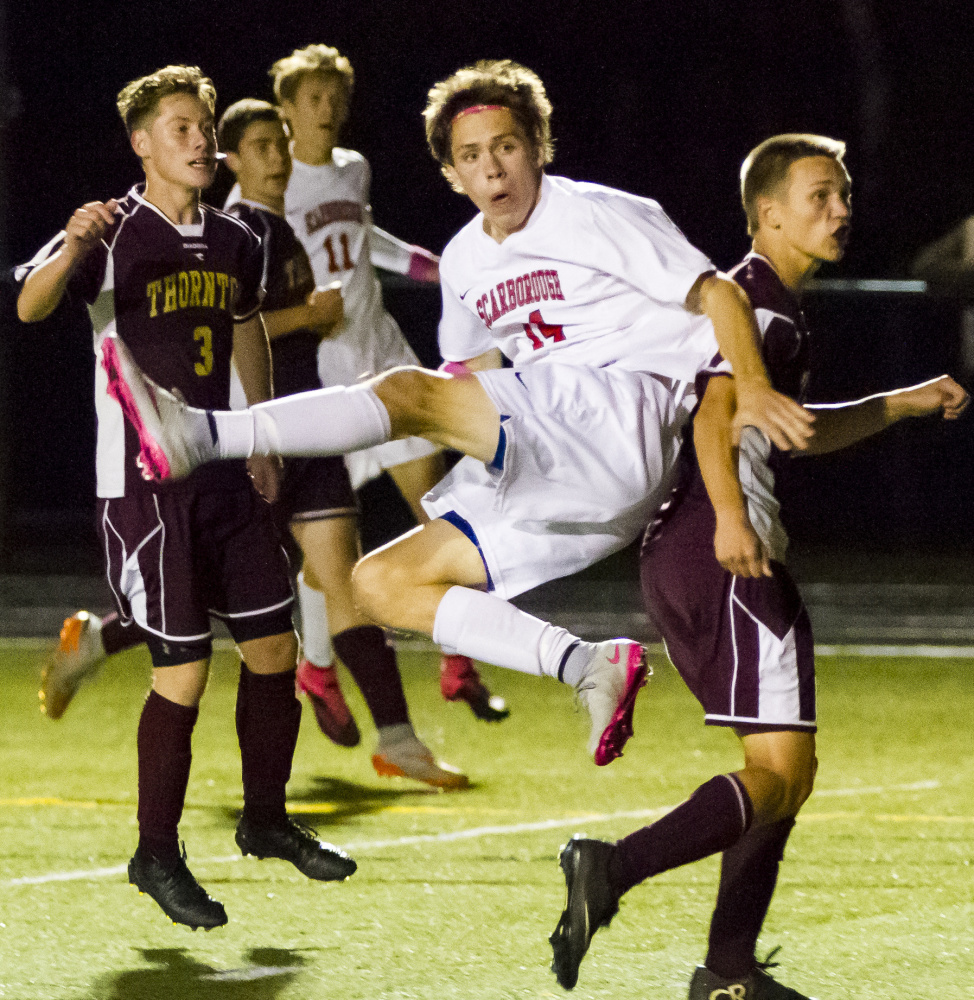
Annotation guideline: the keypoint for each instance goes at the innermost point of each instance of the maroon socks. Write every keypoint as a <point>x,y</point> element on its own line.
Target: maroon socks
<point>711,820</point>
<point>268,719</point>
<point>372,662</point>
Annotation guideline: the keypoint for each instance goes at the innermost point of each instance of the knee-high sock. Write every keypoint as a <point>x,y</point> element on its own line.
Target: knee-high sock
<point>322,422</point>
<point>165,753</point>
<point>268,718</point>
<point>316,643</point>
<point>116,636</point>
<point>711,820</point>
<point>491,629</point>
<point>748,874</point>
<point>372,663</point>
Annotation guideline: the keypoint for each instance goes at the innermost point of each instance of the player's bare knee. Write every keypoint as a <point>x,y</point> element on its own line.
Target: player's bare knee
<point>375,582</point>
<point>408,394</point>
<point>271,654</point>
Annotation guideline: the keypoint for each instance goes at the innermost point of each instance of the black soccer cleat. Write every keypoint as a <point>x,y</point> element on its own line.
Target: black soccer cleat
<point>592,903</point>
<point>176,890</point>
<point>757,985</point>
<point>298,844</point>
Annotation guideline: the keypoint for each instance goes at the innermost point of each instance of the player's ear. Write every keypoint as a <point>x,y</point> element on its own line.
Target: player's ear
<point>140,142</point>
<point>769,212</point>
<point>450,173</point>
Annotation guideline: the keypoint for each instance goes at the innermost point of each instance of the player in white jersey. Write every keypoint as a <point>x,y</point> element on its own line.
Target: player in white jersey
<point>569,451</point>
<point>327,205</point>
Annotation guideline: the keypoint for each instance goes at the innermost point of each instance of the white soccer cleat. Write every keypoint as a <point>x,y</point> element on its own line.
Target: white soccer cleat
<point>410,757</point>
<point>76,659</point>
<point>613,677</point>
<point>174,438</point>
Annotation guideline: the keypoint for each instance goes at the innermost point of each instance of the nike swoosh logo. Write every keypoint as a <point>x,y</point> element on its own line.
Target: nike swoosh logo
<point>615,659</point>
<point>465,294</point>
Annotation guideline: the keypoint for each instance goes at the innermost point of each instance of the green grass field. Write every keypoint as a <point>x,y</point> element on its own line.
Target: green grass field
<point>456,894</point>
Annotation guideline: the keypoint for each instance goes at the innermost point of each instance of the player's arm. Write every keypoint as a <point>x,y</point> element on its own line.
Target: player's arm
<point>44,287</point>
<point>727,306</point>
<point>322,311</point>
<point>839,425</point>
<point>252,358</point>
<point>736,544</point>
<point>392,254</point>
<point>944,261</point>
<point>487,361</point>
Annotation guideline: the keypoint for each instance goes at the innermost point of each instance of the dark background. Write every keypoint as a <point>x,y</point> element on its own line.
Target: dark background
<point>662,99</point>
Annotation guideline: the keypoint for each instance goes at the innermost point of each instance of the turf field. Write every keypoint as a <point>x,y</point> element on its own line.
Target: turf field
<point>456,894</point>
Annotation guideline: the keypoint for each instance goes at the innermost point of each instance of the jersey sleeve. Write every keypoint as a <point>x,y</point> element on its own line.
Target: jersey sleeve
<point>86,279</point>
<point>461,334</point>
<point>253,278</point>
<point>634,239</point>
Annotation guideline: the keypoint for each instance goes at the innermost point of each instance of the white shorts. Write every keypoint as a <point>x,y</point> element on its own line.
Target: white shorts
<point>345,360</point>
<point>587,457</point>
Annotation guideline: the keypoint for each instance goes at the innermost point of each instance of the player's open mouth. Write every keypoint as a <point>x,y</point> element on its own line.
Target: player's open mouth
<point>205,163</point>
<point>841,235</point>
<point>497,199</point>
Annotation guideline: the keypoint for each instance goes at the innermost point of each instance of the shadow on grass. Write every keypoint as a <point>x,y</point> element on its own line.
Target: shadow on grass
<point>325,802</point>
<point>267,972</point>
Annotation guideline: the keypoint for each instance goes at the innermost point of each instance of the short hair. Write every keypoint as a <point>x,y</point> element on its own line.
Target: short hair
<point>767,165</point>
<point>287,73</point>
<point>138,101</point>
<point>239,117</point>
<point>491,81</point>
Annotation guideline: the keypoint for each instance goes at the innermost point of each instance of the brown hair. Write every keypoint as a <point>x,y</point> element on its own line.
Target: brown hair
<point>138,101</point>
<point>239,117</point>
<point>767,165</point>
<point>288,72</point>
<point>490,81</point>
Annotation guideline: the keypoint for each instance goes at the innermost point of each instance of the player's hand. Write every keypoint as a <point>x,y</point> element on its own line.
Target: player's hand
<point>738,548</point>
<point>940,395</point>
<point>87,227</point>
<point>265,473</point>
<point>326,308</point>
<point>787,423</point>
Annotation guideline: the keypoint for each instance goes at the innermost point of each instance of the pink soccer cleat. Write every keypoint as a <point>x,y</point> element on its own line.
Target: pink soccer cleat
<point>334,719</point>
<point>616,672</point>
<point>460,681</point>
<point>174,438</point>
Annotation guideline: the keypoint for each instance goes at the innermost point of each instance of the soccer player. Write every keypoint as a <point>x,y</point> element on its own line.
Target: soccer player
<point>180,284</point>
<point>327,203</point>
<point>315,501</point>
<point>607,314</point>
<point>715,583</point>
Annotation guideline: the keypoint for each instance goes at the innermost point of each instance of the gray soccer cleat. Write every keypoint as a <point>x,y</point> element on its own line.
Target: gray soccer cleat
<point>76,659</point>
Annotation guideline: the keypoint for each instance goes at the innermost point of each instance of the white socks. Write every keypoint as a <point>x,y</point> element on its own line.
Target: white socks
<point>488,628</point>
<point>315,636</point>
<point>323,422</point>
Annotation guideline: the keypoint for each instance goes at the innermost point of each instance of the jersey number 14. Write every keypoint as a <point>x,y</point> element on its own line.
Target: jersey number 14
<point>536,328</point>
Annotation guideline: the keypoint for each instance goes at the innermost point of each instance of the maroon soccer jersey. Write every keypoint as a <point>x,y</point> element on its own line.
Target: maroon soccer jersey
<point>173,294</point>
<point>288,281</point>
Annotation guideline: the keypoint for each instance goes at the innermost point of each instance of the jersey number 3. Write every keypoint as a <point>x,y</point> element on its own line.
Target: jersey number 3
<point>546,330</point>
<point>205,364</point>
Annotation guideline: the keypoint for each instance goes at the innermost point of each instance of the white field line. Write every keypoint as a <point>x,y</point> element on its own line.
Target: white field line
<point>471,834</point>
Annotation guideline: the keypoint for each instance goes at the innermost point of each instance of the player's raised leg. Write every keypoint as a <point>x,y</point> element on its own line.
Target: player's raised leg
<point>433,580</point>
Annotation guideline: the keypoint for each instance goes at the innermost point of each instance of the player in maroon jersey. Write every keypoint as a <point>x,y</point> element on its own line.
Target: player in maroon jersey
<point>180,284</point>
<point>715,583</point>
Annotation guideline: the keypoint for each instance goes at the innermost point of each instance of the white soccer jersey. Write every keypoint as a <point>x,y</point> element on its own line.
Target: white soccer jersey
<point>597,277</point>
<point>328,207</point>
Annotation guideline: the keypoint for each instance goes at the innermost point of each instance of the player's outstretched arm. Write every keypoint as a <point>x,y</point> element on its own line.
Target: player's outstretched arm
<point>736,544</point>
<point>322,311</point>
<point>785,422</point>
<point>392,254</point>
<point>839,425</point>
<point>45,285</point>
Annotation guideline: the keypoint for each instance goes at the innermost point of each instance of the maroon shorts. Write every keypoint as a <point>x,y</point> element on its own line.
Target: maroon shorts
<point>743,646</point>
<point>313,489</point>
<point>176,556</point>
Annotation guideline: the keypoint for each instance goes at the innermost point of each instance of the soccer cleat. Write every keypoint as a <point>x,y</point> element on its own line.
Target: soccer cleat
<point>298,844</point>
<point>591,904</point>
<point>460,681</point>
<point>334,719</point>
<point>76,659</point>
<point>174,438</point>
<point>608,689</point>
<point>757,985</point>
<point>177,892</point>
<point>411,758</point>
